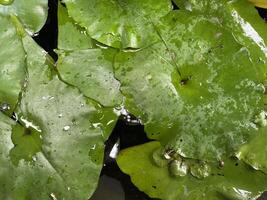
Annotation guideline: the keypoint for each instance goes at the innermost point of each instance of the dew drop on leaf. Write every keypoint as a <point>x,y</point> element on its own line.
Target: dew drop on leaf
<point>66,128</point>
<point>178,168</point>
<point>4,107</point>
<point>53,196</point>
<point>200,171</point>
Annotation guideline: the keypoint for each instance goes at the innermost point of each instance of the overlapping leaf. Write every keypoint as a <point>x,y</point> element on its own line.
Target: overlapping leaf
<point>12,66</point>
<point>186,88</point>
<point>92,72</point>
<point>254,152</point>
<point>119,24</point>
<point>66,159</point>
<point>32,13</point>
<point>234,181</point>
<point>201,93</point>
<point>70,35</point>
<point>197,84</point>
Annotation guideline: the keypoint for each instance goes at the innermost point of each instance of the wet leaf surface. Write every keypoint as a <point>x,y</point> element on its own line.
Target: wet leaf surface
<point>12,62</point>
<point>187,87</point>
<point>228,182</point>
<point>71,142</point>
<point>71,36</point>
<point>121,24</point>
<point>32,13</point>
<point>91,71</point>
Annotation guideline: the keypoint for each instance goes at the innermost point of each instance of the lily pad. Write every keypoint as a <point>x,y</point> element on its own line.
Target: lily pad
<point>92,72</point>
<point>65,159</point>
<point>31,13</point>
<point>234,181</point>
<point>12,64</point>
<point>254,153</point>
<point>120,24</point>
<point>187,87</point>
<point>239,16</point>
<point>70,35</point>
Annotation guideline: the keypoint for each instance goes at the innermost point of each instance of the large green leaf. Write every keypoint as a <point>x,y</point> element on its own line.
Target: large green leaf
<point>57,152</point>
<point>235,180</point>
<point>239,16</point>
<point>92,72</point>
<point>32,13</point>
<point>12,64</point>
<point>255,152</point>
<point>187,87</point>
<point>119,24</point>
<point>70,35</point>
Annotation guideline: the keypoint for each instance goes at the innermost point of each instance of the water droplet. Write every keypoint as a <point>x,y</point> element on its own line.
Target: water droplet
<point>110,122</point>
<point>115,150</point>
<point>178,168</point>
<point>29,124</point>
<point>53,196</point>
<point>66,128</point>
<point>60,115</point>
<point>221,163</point>
<point>6,2</point>
<point>261,119</point>
<point>168,153</point>
<point>35,34</point>
<point>47,97</point>
<point>148,77</point>
<point>200,170</point>
<point>4,107</point>
<point>34,159</point>
<point>96,125</point>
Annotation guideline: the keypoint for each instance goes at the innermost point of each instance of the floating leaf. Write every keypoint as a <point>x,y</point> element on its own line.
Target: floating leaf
<point>12,64</point>
<point>70,35</point>
<point>187,87</point>
<point>32,13</point>
<point>120,24</point>
<point>65,162</point>
<point>235,180</point>
<point>92,72</point>
<point>255,152</point>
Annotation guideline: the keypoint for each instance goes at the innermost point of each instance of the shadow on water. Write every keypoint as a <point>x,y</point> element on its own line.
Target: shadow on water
<point>113,185</point>
<point>128,135</point>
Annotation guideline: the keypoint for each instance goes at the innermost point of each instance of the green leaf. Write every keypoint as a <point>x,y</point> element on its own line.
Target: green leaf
<point>31,13</point>
<point>238,16</point>
<point>65,159</point>
<point>27,142</point>
<point>70,35</point>
<point>255,152</point>
<point>235,180</point>
<point>92,72</point>
<point>12,64</point>
<point>120,24</point>
<point>187,87</point>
